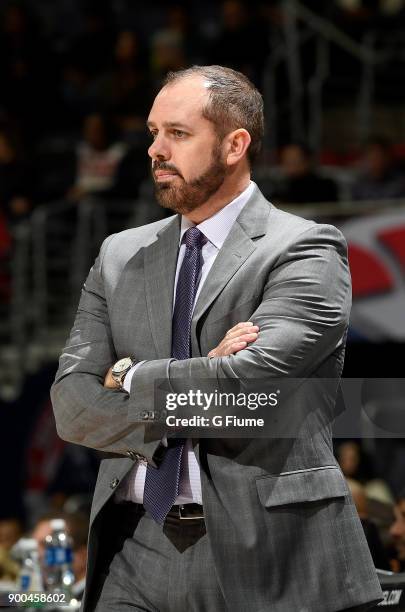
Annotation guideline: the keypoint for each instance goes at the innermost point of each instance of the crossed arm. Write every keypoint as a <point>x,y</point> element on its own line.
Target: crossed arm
<point>236,339</point>
<point>302,319</point>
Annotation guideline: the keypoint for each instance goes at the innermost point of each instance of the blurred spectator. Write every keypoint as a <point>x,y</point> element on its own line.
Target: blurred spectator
<point>366,13</point>
<point>360,13</point>
<point>176,45</point>
<point>25,69</point>
<point>357,18</point>
<point>381,178</point>
<point>16,180</point>
<point>77,92</point>
<point>103,163</point>
<point>301,182</point>
<point>397,532</point>
<point>375,544</point>
<point>179,21</point>
<point>87,58</point>
<point>167,53</point>
<point>124,89</point>
<point>77,526</point>
<point>92,49</point>
<point>356,464</point>
<point>242,42</point>
<point>353,461</point>
<point>11,530</point>
<point>9,570</point>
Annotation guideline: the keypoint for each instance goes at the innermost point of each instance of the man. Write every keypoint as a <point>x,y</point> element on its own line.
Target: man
<point>397,531</point>
<point>229,288</point>
<point>300,182</point>
<point>381,177</point>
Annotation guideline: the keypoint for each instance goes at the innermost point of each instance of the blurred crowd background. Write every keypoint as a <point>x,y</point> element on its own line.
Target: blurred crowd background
<point>77,78</point>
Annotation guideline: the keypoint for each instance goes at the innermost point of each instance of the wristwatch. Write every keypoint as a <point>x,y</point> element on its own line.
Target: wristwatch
<point>121,368</point>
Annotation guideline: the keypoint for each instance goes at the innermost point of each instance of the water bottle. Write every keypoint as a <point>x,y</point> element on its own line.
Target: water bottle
<point>30,577</point>
<point>58,574</point>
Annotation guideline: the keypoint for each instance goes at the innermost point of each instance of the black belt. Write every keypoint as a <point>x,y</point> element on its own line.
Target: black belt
<point>181,512</point>
<point>187,512</point>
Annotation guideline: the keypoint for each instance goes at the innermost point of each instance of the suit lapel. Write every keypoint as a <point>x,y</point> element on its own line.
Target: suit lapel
<point>238,246</point>
<point>235,250</point>
<point>160,269</point>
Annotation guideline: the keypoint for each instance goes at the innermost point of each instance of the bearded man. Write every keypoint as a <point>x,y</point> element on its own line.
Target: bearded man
<point>229,288</point>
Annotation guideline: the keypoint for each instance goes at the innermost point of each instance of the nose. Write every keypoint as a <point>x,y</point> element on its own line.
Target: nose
<point>159,149</point>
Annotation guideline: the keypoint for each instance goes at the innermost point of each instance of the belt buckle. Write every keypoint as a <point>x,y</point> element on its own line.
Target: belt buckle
<point>188,518</point>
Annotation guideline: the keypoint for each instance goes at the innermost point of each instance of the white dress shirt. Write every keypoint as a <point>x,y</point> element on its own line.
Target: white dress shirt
<point>216,230</point>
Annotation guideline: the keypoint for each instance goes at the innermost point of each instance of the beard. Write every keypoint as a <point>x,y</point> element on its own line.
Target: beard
<point>189,195</point>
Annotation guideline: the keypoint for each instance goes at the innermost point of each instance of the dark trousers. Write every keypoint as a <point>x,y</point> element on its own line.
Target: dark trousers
<point>158,569</point>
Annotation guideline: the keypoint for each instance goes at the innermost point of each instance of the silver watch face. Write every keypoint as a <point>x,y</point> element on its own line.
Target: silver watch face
<point>122,365</point>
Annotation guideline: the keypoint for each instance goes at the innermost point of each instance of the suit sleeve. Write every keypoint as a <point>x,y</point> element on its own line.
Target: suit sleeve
<point>303,318</point>
<point>86,412</point>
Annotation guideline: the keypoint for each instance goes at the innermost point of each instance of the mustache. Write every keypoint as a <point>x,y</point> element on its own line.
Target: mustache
<point>160,165</point>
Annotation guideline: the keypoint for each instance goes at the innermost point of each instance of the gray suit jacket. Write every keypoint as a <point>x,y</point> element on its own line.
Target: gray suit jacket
<point>282,525</point>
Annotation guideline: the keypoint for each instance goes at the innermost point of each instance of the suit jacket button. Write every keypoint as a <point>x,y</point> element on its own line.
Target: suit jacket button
<point>114,483</point>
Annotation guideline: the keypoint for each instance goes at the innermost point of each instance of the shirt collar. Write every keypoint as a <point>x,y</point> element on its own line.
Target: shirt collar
<point>217,227</point>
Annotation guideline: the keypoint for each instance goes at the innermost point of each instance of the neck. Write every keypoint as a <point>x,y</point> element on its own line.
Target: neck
<point>229,190</point>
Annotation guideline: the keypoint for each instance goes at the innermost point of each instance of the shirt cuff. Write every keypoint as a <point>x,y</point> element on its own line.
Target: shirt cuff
<point>127,387</point>
<point>128,376</point>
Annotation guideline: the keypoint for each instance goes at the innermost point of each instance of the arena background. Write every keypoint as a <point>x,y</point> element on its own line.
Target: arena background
<point>76,82</point>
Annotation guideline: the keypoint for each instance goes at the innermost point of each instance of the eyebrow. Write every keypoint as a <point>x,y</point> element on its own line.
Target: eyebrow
<point>170,124</point>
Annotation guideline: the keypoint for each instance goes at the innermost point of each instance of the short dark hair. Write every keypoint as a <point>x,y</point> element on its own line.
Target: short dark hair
<point>234,102</point>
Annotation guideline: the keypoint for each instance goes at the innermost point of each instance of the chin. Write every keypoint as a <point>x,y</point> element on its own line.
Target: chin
<point>168,197</point>
<point>168,202</point>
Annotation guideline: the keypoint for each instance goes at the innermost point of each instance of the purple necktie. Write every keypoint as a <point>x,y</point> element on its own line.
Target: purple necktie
<point>162,483</point>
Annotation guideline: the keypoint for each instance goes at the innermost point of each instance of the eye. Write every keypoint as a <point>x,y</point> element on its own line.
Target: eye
<point>153,134</point>
<point>179,133</point>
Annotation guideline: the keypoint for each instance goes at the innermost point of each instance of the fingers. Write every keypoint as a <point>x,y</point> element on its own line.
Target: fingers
<point>242,336</point>
<point>239,326</point>
<point>222,350</point>
<point>235,347</point>
<point>241,329</point>
<point>236,339</point>
<point>245,337</point>
<point>236,344</point>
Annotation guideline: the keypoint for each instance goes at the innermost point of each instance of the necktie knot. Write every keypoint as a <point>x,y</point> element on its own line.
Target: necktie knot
<point>194,238</point>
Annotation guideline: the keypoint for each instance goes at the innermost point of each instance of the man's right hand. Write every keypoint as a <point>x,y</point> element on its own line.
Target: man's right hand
<point>236,339</point>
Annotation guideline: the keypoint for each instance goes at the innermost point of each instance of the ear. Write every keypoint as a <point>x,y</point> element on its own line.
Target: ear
<point>237,144</point>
